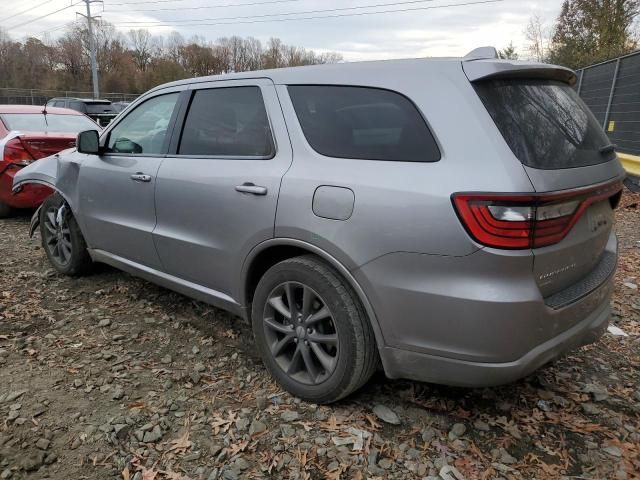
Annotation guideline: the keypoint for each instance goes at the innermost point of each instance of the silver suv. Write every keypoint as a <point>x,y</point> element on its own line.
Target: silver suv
<point>448,219</point>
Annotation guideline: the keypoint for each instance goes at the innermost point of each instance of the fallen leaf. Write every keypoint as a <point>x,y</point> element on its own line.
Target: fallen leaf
<point>149,474</point>
<point>182,443</point>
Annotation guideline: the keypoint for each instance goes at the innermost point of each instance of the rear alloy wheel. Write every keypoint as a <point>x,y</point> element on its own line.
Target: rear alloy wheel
<point>300,332</point>
<point>311,330</point>
<point>61,237</point>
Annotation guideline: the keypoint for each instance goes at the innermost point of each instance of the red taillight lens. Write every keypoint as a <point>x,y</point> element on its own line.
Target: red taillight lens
<point>527,220</point>
<point>15,152</point>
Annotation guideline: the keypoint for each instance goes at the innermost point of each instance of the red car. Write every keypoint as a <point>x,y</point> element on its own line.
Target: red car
<point>28,133</point>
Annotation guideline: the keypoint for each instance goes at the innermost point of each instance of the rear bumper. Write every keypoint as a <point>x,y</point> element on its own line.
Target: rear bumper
<point>428,368</point>
<point>29,196</point>
<point>478,320</point>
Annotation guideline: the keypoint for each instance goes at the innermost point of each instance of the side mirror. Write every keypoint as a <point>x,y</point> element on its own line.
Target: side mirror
<point>88,142</point>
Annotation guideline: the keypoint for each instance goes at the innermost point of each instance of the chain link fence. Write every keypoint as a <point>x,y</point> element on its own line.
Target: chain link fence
<point>612,90</point>
<point>23,96</point>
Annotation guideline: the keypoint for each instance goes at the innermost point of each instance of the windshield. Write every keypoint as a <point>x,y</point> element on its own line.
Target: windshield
<point>36,122</point>
<point>545,123</point>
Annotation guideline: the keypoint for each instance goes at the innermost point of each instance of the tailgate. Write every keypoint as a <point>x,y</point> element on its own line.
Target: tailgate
<point>566,154</point>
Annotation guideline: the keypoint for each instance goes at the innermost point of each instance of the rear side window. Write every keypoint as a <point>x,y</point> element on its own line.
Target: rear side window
<point>78,106</point>
<point>229,121</point>
<point>98,107</point>
<point>545,123</point>
<point>362,123</point>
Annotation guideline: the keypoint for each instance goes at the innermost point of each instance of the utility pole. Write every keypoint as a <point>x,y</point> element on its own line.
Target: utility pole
<point>92,47</point>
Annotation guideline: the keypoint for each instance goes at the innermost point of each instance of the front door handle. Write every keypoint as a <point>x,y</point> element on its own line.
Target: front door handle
<point>140,177</point>
<point>249,187</point>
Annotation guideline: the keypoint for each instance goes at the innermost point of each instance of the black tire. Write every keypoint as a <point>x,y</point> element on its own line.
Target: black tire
<point>5,210</point>
<point>63,241</point>
<point>340,347</point>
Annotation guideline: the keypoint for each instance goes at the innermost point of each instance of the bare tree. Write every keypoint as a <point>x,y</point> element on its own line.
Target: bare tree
<point>143,47</point>
<point>173,44</point>
<point>137,61</point>
<point>537,38</point>
<point>273,55</point>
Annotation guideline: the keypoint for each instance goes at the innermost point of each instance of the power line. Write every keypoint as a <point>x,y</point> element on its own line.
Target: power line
<point>147,1</point>
<point>54,29</point>
<point>25,11</point>
<point>228,5</point>
<point>307,12</point>
<point>166,23</point>
<point>43,16</point>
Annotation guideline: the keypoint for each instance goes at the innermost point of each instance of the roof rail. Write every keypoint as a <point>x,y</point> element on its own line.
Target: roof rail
<point>481,53</point>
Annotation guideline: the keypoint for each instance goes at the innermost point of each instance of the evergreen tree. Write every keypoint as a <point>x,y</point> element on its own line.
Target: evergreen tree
<point>591,31</point>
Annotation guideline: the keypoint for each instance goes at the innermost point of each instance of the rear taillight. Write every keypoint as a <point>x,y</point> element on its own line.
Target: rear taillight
<point>16,153</point>
<point>514,221</point>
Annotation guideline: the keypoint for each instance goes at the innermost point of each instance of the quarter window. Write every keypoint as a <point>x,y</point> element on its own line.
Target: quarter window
<point>362,123</point>
<point>227,121</point>
<point>143,131</point>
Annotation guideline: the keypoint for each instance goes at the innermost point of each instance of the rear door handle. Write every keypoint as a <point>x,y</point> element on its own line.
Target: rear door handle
<point>140,177</point>
<point>249,187</point>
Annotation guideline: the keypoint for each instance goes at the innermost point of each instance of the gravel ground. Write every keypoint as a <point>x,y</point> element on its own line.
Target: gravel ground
<point>111,377</point>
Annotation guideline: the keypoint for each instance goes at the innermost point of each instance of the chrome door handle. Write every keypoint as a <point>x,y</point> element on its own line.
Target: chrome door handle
<point>249,187</point>
<point>140,177</point>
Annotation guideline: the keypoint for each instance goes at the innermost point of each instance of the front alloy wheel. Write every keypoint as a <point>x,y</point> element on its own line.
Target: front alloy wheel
<point>299,329</point>
<point>62,239</point>
<point>57,235</point>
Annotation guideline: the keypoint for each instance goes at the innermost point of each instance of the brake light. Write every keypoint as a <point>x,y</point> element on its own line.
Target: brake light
<point>516,221</point>
<point>16,153</point>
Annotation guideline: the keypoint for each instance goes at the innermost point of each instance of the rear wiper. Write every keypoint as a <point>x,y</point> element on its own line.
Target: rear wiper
<point>608,148</point>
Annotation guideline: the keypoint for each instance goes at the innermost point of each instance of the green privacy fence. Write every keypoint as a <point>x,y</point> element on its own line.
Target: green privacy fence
<point>612,90</point>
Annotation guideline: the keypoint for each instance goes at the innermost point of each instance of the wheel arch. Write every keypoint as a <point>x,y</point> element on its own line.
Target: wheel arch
<point>35,219</point>
<point>270,252</point>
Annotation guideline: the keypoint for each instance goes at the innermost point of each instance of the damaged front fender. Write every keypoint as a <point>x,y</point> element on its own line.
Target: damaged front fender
<point>59,171</point>
<point>43,171</point>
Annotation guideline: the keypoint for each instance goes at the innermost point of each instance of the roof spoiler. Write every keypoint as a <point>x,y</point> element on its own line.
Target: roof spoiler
<point>481,53</point>
<point>483,64</point>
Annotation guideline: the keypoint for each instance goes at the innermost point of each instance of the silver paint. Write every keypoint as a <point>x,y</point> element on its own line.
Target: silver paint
<point>443,308</point>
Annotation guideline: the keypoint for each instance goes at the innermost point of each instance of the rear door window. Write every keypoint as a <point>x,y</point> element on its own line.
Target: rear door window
<point>545,123</point>
<point>362,123</point>
<point>227,121</point>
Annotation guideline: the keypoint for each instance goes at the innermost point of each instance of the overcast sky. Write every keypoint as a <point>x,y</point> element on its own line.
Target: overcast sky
<point>424,28</point>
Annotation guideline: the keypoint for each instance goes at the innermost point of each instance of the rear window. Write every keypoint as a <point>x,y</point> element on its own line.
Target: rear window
<point>78,107</point>
<point>362,123</point>
<point>545,123</point>
<point>99,107</point>
<point>36,122</point>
